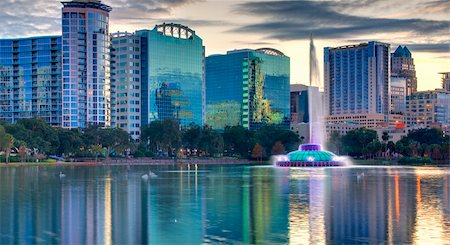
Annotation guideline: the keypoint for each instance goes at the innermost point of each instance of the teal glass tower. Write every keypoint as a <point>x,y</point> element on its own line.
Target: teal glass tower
<point>172,75</point>
<point>30,79</point>
<point>248,88</point>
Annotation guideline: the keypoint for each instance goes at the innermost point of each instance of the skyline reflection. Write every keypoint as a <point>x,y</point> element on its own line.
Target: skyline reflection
<point>224,204</point>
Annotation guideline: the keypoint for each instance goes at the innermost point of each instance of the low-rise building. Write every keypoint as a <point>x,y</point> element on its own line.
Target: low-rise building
<point>428,108</point>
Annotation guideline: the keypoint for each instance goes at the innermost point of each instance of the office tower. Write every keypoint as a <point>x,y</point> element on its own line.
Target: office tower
<point>158,74</point>
<point>86,67</point>
<point>299,104</point>
<point>126,67</point>
<point>402,65</point>
<point>357,79</point>
<point>248,88</point>
<point>173,76</point>
<point>446,81</point>
<point>398,95</point>
<point>428,108</point>
<point>30,79</point>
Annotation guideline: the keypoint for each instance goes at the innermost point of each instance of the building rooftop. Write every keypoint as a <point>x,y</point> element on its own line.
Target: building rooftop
<point>175,30</point>
<point>87,4</point>
<point>402,52</point>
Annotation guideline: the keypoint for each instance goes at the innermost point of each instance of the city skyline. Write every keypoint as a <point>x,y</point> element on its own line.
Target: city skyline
<point>422,26</point>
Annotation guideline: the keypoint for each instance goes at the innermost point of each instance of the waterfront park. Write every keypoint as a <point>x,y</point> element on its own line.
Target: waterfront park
<point>195,185</point>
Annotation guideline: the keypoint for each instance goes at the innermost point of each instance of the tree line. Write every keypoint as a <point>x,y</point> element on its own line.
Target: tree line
<point>364,143</point>
<point>33,139</point>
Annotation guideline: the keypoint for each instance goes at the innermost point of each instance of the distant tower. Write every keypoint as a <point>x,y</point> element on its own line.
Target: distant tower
<point>402,65</point>
<point>445,80</point>
<point>361,88</point>
<point>86,67</point>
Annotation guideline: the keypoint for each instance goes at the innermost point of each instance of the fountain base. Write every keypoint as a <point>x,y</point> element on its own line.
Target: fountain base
<point>310,155</point>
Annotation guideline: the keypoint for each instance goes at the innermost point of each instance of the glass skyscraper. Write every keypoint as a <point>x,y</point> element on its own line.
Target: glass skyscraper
<point>357,79</point>
<point>30,79</point>
<point>86,67</point>
<point>157,75</point>
<point>173,74</point>
<point>248,88</point>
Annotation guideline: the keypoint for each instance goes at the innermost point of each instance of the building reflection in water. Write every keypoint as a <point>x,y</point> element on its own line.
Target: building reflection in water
<point>214,204</point>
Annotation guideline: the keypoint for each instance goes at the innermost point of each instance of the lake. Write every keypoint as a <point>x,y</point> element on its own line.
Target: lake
<point>224,204</point>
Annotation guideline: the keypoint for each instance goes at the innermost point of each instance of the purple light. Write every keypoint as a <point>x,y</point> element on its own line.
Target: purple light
<point>310,147</point>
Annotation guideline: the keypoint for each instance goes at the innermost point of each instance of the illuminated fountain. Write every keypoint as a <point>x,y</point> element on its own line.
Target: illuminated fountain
<point>312,155</point>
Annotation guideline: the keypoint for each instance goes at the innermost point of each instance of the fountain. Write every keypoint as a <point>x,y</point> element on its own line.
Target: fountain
<point>312,154</point>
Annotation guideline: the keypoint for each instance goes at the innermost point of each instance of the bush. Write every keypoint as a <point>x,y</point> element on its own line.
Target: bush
<point>415,160</point>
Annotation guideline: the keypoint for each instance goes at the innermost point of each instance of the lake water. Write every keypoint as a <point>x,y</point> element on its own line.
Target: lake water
<point>224,204</point>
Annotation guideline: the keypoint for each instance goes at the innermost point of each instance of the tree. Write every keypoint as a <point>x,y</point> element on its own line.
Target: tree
<point>238,140</point>
<point>191,137</point>
<point>391,147</point>
<point>70,141</point>
<point>6,142</point>
<point>162,136</point>
<point>97,150</point>
<point>269,135</point>
<point>334,143</point>
<point>258,152</point>
<point>278,148</point>
<point>373,148</point>
<point>23,152</point>
<point>211,141</point>
<point>355,140</point>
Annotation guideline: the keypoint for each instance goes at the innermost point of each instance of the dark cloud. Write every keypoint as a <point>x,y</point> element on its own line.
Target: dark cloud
<point>291,20</point>
<point>430,47</point>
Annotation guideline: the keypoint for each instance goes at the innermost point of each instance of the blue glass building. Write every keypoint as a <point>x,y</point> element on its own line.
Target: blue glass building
<point>248,88</point>
<point>86,67</point>
<point>357,79</point>
<point>30,79</point>
<point>172,75</point>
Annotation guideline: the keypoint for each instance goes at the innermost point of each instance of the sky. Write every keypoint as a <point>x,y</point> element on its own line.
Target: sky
<point>422,25</point>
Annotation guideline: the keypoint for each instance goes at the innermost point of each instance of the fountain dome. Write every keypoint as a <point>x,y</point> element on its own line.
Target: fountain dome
<point>310,155</point>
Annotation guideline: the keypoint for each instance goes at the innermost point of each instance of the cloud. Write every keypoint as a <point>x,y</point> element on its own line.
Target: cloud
<point>291,20</point>
<point>129,9</point>
<point>430,47</point>
<point>20,18</point>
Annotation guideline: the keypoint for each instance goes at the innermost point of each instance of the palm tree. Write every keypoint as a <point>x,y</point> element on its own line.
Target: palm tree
<point>6,142</point>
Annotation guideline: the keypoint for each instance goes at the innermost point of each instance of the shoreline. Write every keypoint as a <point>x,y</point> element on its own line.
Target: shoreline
<point>138,162</point>
<point>187,162</point>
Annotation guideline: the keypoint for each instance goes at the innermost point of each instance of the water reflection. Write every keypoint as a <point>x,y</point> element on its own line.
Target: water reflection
<point>223,204</point>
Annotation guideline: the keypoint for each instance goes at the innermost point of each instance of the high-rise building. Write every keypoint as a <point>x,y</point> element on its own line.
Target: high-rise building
<point>402,65</point>
<point>248,88</point>
<point>86,67</point>
<point>158,74</point>
<point>126,69</point>
<point>445,80</point>
<point>428,108</point>
<point>357,79</point>
<point>30,79</point>
<point>398,95</point>
<point>173,76</point>
<point>299,104</point>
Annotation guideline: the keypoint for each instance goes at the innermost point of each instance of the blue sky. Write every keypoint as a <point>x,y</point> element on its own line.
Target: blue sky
<point>422,25</point>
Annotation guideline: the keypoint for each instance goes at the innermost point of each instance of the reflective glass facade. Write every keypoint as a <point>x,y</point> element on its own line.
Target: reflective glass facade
<point>172,76</point>
<point>357,79</point>
<point>126,66</point>
<point>86,67</point>
<point>30,79</point>
<point>248,88</point>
